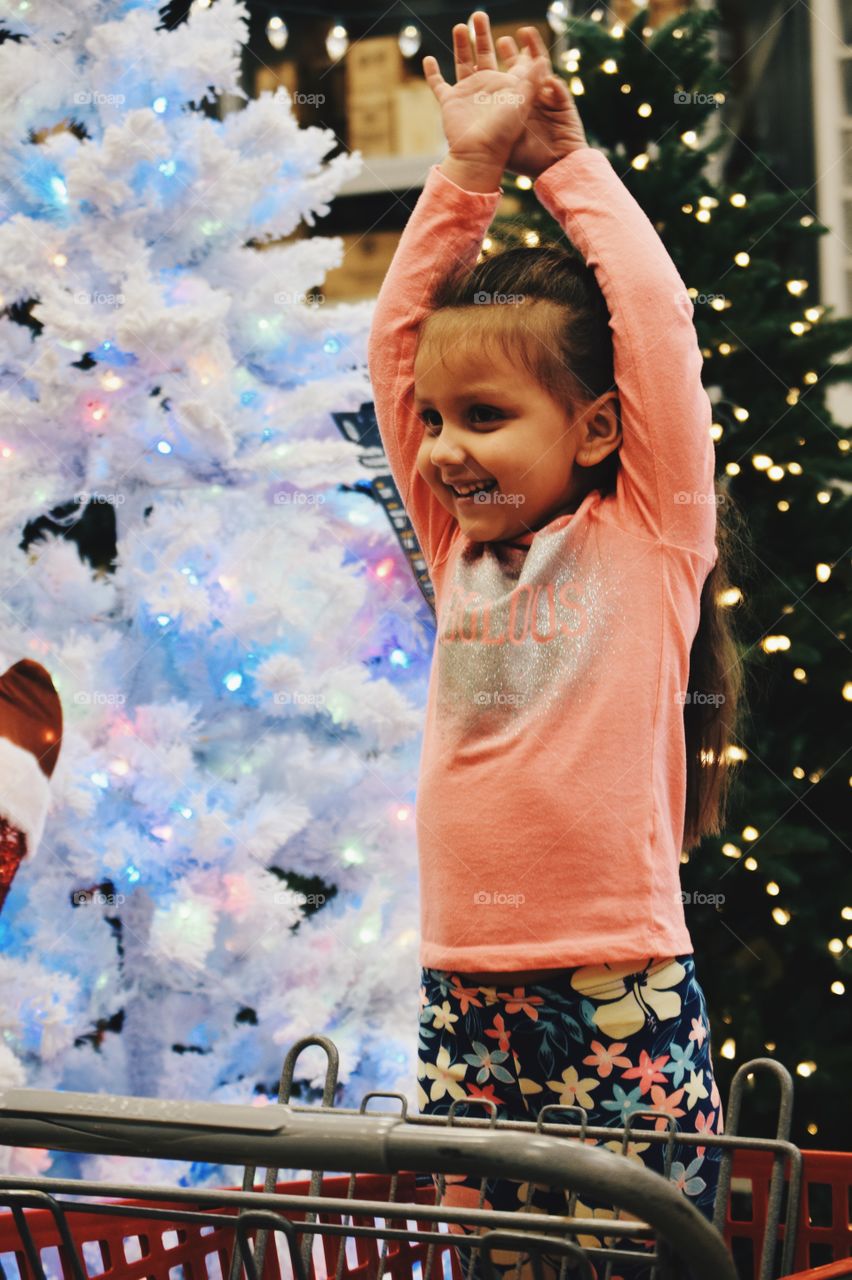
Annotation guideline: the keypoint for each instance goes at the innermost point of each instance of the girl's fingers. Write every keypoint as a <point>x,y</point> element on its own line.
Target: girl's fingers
<point>508,50</point>
<point>434,79</point>
<point>533,41</point>
<point>486,59</point>
<point>462,52</point>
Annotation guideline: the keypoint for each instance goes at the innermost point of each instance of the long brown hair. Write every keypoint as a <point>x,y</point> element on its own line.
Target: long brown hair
<point>565,343</point>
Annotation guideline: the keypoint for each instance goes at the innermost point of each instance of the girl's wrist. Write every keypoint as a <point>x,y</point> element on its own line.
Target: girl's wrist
<point>473,173</point>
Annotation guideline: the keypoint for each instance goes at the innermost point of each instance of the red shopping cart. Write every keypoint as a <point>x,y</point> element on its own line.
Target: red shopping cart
<point>371,1207</point>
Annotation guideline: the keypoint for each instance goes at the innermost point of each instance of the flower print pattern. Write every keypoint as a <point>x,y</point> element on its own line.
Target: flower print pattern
<point>614,1040</point>
<point>605,1059</point>
<point>489,1062</point>
<point>499,1032</point>
<point>633,998</point>
<point>572,1089</point>
<point>648,1072</point>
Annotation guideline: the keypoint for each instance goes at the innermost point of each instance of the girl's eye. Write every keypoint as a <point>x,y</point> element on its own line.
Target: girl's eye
<point>476,411</point>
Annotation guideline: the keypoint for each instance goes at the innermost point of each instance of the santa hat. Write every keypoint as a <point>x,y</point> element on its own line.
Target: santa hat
<point>30,738</point>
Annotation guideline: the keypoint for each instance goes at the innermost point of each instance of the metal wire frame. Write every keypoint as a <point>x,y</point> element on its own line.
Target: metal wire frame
<point>118,1125</point>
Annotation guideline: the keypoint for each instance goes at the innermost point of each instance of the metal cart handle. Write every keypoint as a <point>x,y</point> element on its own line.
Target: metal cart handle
<point>222,1133</point>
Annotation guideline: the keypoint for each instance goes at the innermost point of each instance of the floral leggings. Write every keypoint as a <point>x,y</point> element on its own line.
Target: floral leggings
<point>613,1039</point>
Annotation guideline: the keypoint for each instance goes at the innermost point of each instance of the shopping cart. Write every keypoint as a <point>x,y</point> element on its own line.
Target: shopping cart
<point>371,1207</point>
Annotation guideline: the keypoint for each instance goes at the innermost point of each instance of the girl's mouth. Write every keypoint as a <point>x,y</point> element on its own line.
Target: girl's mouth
<point>469,497</point>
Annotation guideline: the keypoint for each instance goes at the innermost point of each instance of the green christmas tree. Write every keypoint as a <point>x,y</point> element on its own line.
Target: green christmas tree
<point>771,911</point>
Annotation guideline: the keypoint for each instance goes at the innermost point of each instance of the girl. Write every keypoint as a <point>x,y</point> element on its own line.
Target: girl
<point>544,418</point>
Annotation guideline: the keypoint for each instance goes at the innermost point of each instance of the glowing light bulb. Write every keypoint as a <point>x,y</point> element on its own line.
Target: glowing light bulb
<point>409,39</point>
<point>337,42</point>
<point>276,32</point>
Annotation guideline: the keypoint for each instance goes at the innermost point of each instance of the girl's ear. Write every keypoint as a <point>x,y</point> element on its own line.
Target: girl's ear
<point>602,430</point>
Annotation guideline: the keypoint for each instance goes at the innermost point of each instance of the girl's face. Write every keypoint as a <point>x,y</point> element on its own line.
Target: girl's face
<point>489,422</point>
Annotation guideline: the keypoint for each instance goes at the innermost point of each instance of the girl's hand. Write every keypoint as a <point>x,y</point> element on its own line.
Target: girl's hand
<point>485,111</point>
<point>553,126</point>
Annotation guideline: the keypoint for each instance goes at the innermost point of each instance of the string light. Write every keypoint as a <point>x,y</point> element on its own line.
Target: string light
<point>337,42</point>
<point>750,864</point>
<point>738,200</point>
<point>644,109</point>
<point>409,39</point>
<point>805,1069</point>
<point>780,916</point>
<point>577,86</point>
<point>773,889</point>
<point>836,947</point>
<point>797,287</point>
<point>729,1048</point>
<point>276,32</point>
<point>838,988</point>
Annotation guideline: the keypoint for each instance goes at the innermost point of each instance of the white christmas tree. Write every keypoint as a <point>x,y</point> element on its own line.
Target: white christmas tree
<point>242,685</point>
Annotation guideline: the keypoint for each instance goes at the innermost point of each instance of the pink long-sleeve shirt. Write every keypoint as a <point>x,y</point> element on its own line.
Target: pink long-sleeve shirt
<point>551,795</point>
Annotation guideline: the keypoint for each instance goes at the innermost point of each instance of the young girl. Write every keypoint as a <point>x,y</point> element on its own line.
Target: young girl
<point>545,421</point>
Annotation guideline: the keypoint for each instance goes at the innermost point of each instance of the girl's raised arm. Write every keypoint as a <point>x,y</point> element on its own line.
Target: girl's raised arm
<point>446,228</point>
<point>667,456</point>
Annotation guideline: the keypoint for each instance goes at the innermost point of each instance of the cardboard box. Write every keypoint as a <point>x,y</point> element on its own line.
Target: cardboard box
<point>417,120</point>
<point>373,66</point>
<point>366,259</point>
<point>370,125</point>
<point>282,73</point>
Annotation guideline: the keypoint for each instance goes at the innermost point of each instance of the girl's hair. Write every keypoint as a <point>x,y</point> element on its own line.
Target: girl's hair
<point>565,343</point>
